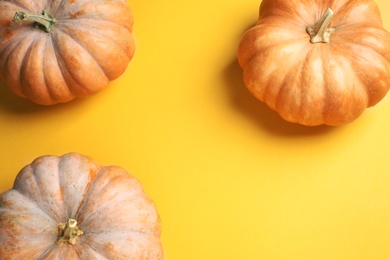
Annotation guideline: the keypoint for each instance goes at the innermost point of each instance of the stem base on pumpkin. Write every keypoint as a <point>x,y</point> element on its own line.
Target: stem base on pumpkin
<point>69,232</point>
<point>319,32</point>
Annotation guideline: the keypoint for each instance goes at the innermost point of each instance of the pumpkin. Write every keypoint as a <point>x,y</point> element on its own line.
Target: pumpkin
<point>71,207</point>
<point>317,62</point>
<point>54,51</point>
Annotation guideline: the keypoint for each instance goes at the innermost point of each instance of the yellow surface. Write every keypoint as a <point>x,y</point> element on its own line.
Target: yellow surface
<point>231,180</point>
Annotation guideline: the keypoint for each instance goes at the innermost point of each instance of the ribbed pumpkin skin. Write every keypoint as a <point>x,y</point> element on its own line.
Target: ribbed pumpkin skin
<point>317,83</point>
<point>90,45</point>
<point>118,219</point>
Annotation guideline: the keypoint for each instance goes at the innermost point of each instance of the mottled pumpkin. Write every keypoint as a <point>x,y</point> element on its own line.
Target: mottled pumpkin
<point>54,51</point>
<point>71,207</point>
<point>317,62</point>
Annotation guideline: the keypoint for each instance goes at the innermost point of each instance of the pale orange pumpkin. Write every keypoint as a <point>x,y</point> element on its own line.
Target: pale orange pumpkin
<point>54,51</point>
<point>317,62</point>
<point>71,207</point>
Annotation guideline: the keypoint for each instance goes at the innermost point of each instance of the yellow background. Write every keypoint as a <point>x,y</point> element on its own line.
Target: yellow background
<point>231,180</point>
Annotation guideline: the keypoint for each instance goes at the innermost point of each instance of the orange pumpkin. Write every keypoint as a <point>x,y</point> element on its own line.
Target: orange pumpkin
<point>54,51</point>
<point>317,62</point>
<point>70,207</point>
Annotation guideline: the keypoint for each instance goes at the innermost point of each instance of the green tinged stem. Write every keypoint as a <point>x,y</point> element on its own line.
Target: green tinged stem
<point>44,21</point>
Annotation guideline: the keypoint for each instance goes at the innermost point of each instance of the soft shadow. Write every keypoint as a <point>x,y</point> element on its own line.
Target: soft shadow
<point>259,112</point>
<point>12,104</point>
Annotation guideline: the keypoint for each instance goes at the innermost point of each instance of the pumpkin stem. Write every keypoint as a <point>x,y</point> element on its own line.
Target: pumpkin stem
<point>319,32</point>
<point>68,232</point>
<point>44,21</point>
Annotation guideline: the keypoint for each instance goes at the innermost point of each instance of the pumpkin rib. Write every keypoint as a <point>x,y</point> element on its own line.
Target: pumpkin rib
<point>87,51</point>
<point>20,32</point>
<point>55,93</point>
<point>314,92</point>
<point>85,182</point>
<point>134,243</point>
<point>54,216</point>
<point>109,22</point>
<point>60,178</point>
<point>86,252</point>
<point>117,178</point>
<point>360,69</point>
<point>30,5</point>
<point>12,66</point>
<point>99,250</point>
<point>94,29</point>
<point>54,7</point>
<point>26,199</point>
<point>328,95</point>
<point>91,236</point>
<point>288,10</point>
<point>345,100</point>
<point>70,80</point>
<point>317,66</point>
<point>49,90</point>
<point>109,54</point>
<point>99,175</point>
<point>49,215</point>
<point>23,228</point>
<point>362,55</point>
<point>345,8</point>
<point>30,171</point>
<point>262,36</point>
<point>54,79</point>
<point>258,85</point>
<point>34,86</point>
<point>117,12</point>
<point>81,203</point>
<point>16,5</point>
<point>23,90</point>
<point>349,6</point>
<point>44,253</point>
<point>12,48</point>
<point>77,252</point>
<point>92,85</point>
<point>57,252</point>
<point>14,227</point>
<point>85,192</point>
<point>270,81</point>
<point>286,87</point>
<point>374,34</point>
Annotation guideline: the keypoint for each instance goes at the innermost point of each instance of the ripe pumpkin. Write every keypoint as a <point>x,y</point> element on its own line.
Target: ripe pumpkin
<point>317,62</point>
<point>70,207</point>
<point>54,51</point>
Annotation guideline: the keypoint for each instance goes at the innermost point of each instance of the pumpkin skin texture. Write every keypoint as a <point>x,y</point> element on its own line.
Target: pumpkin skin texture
<point>314,66</point>
<point>90,44</point>
<point>117,219</point>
